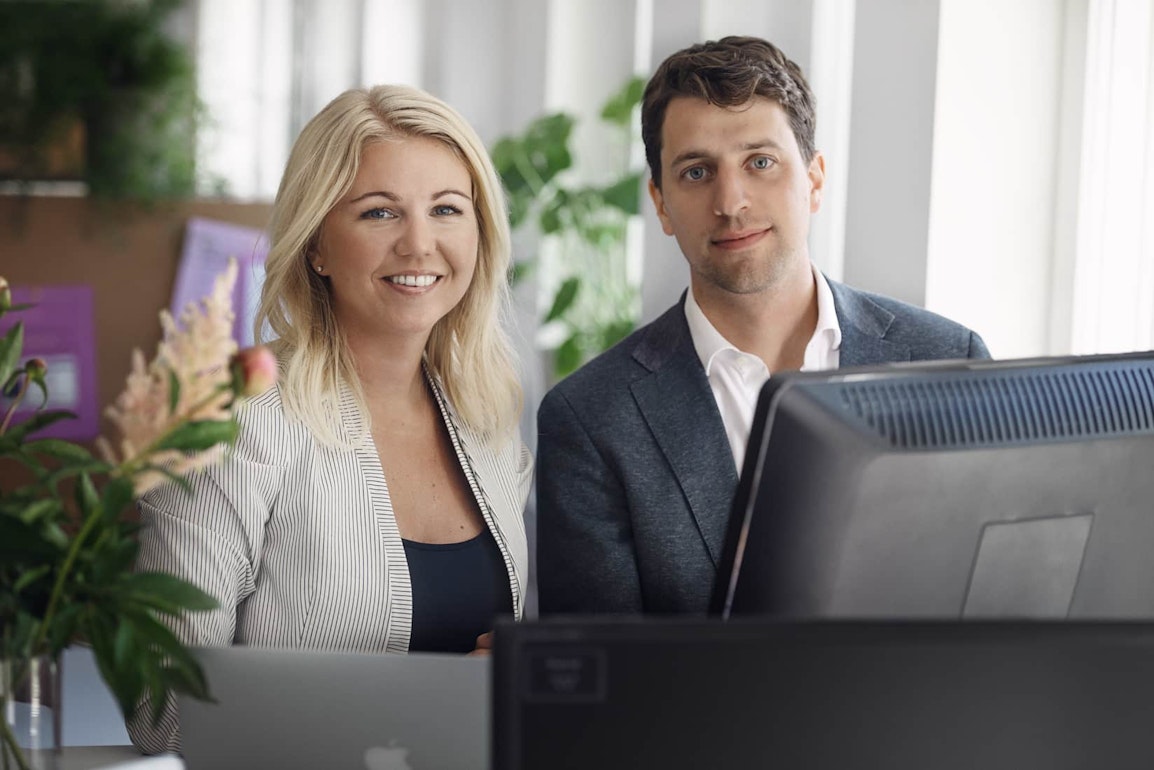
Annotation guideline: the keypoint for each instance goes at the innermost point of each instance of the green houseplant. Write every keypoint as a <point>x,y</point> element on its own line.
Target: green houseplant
<point>66,547</point>
<point>594,303</point>
<point>110,68</point>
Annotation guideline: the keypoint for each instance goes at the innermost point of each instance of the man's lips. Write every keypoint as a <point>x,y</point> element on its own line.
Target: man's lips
<point>740,240</point>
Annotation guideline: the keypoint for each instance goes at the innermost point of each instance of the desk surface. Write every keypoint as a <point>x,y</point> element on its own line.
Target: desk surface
<point>112,758</point>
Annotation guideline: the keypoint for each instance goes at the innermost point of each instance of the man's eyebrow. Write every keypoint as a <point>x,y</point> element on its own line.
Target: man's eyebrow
<point>694,154</point>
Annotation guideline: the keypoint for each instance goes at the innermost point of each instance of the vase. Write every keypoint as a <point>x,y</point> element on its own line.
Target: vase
<point>30,697</point>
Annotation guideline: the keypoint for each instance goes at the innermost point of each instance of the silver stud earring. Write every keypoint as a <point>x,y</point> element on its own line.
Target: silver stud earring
<point>318,268</point>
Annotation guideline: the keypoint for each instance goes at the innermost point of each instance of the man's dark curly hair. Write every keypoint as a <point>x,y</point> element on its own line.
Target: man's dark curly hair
<point>727,72</point>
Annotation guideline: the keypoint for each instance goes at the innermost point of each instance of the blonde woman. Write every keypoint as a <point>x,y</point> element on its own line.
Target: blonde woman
<point>374,499</point>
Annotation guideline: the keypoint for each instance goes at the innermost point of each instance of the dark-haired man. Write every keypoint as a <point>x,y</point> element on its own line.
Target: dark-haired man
<point>638,451</point>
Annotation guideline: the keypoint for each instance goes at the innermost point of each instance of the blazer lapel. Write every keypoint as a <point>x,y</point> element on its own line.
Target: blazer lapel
<point>678,405</point>
<point>864,324</point>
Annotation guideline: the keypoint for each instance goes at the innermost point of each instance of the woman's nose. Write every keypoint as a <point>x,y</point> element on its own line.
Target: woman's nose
<point>416,238</point>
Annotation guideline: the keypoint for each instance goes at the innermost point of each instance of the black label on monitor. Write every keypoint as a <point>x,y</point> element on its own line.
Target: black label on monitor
<point>567,675</point>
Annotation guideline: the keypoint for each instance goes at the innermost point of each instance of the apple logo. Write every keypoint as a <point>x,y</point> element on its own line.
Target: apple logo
<point>387,758</point>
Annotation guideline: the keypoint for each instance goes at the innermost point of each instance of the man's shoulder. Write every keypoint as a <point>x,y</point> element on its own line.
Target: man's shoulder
<point>929,334</point>
<point>908,313</point>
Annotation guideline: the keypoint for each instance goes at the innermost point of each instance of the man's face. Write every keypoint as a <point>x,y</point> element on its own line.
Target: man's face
<point>736,194</point>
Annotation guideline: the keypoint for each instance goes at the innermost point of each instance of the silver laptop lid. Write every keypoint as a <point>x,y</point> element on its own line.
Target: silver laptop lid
<point>289,709</point>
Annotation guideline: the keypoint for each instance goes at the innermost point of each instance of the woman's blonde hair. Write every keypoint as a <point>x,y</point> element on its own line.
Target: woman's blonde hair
<point>468,351</point>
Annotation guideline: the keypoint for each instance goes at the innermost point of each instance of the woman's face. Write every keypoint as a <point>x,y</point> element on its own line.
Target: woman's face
<point>399,249</point>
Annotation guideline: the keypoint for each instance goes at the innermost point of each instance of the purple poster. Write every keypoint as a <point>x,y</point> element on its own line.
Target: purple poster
<point>59,329</point>
<point>208,245</point>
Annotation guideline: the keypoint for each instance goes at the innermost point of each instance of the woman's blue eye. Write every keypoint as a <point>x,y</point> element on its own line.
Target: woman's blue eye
<point>445,210</point>
<point>377,214</point>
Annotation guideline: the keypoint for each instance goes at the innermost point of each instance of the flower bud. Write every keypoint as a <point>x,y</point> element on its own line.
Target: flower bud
<point>36,368</point>
<point>255,370</point>
<point>5,295</point>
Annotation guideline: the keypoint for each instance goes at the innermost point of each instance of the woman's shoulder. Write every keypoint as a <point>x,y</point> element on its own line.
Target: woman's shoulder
<point>266,433</point>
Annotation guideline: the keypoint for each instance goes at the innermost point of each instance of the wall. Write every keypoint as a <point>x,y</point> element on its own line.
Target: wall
<point>128,255</point>
<point>891,139</point>
<point>995,150</point>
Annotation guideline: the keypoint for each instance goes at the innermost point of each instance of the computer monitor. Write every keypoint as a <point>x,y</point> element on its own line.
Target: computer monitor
<point>671,693</point>
<point>961,489</point>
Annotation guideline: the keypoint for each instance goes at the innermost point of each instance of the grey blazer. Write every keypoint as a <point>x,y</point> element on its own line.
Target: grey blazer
<point>635,477</point>
<point>298,543</point>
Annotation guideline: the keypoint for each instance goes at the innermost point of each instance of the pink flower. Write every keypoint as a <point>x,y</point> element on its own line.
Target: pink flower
<point>255,370</point>
<point>188,381</point>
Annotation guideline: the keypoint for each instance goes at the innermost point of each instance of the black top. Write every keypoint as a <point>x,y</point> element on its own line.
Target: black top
<point>458,588</point>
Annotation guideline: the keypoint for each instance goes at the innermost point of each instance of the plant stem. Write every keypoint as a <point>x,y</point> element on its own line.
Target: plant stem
<point>15,403</point>
<point>58,587</point>
<point>129,467</point>
<point>9,743</point>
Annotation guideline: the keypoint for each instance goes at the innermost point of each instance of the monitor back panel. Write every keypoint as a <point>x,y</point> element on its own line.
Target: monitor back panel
<point>749,693</point>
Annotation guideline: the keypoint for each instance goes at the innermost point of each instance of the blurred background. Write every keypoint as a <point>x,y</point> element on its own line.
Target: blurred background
<point>991,161</point>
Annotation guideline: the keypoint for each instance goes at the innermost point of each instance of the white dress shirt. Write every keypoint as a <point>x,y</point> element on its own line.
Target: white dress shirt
<point>736,377</point>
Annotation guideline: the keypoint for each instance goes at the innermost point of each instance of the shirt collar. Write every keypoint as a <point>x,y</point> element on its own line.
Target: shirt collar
<point>708,342</point>
<point>827,323</point>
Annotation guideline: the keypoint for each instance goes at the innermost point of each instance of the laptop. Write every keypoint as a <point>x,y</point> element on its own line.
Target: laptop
<point>298,709</point>
<point>750,693</point>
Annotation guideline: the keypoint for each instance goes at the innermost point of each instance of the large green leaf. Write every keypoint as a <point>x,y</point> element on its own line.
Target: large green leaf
<point>200,435</point>
<point>173,391</point>
<point>614,332</point>
<point>520,270</point>
<point>64,626</point>
<point>38,510</point>
<point>11,347</point>
<point>625,194</point>
<point>546,144</point>
<point>126,657</point>
<point>564,298</point>
<point>568,355</point>
<point>61,450</point>
<point>554,213</point>
<point>110,562</point>
<point>87,498</point>
<point>619,109</point>
<point>117,495</point>
<point>31,576</point>
<point>36,422</point>
<point>23,542</point>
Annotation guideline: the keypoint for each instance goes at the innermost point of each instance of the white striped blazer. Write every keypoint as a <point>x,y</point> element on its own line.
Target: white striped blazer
<point>298,542</point>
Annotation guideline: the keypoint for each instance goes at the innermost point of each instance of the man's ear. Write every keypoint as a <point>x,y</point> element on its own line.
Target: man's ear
<point>659,205</point>
<point>816,174</point>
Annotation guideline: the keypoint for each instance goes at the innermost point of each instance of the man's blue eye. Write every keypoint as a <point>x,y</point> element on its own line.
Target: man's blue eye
<point>762,162</point>
<point>695,174</point>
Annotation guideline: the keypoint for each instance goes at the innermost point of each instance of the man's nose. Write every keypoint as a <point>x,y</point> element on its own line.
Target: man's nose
<point>730,197</point>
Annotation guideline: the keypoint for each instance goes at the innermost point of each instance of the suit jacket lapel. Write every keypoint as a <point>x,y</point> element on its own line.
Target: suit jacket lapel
<point>864,324</point>
<point>678,405</point>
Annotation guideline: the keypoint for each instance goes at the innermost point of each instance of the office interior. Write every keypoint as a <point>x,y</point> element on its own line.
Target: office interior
<point>991,161</point>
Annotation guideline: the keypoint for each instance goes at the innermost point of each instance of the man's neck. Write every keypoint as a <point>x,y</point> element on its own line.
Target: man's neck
<point>775,325</point>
